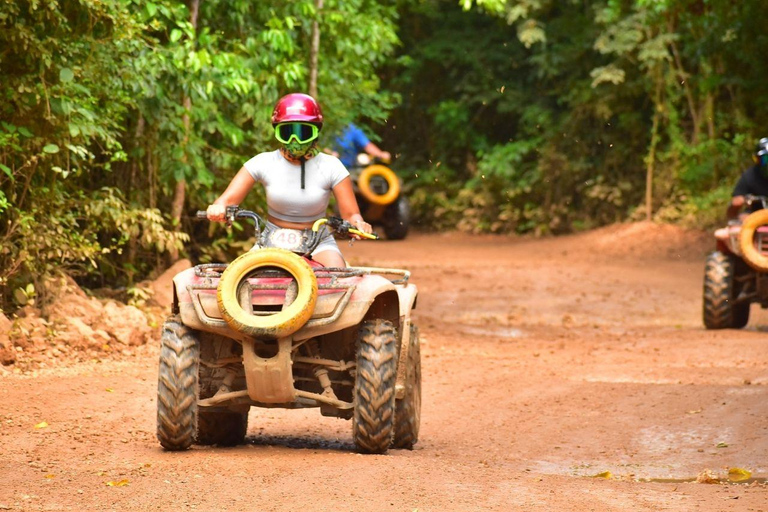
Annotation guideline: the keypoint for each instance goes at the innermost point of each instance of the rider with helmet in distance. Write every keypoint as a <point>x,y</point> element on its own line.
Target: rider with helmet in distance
<point>753,181</point>
<point>298,178</point>
<point>353,141</point>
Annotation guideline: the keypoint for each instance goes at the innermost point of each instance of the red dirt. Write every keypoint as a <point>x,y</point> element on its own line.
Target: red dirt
<point>545,364</point>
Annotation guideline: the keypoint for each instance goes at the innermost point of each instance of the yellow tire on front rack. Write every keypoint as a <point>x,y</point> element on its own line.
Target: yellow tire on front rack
<point>749,251</point>
<point>393,184</point>
<point>282,323</point>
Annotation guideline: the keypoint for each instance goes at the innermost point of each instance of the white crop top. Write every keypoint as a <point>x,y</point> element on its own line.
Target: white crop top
<point>282,181</point>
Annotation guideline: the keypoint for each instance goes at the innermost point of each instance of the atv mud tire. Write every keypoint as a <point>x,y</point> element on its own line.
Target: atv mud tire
<point>393,185</point>
<point>223,428</point>
<point>177,384</point>
<point>408,409</point>
<point>749,252</point>
<point>398,219</point>
<point>374,395</point>
<point>720,290</point>
<point>281,324</point>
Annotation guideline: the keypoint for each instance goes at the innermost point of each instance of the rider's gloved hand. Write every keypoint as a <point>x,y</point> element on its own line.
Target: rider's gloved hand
<point>217,212</point>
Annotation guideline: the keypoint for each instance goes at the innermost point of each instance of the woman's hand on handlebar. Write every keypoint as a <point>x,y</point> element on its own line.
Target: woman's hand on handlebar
<point>217,212</point>
<point>360,224</point>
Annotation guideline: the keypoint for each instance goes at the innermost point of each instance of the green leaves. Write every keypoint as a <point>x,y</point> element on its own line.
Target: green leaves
<point>66,75</point>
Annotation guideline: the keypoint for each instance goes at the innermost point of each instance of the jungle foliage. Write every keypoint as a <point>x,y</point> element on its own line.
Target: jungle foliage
<point>114,110</point>
<point>120,118</point>
<point>552,116</point>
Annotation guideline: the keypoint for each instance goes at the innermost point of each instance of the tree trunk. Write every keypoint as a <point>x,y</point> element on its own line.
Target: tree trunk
<point>133,243</point>
<point>651,158</point>
<point>683,77</point>
<point>180,193</point>
<point>314,51</point>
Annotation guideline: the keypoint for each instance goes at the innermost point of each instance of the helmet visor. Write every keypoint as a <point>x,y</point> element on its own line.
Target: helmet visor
<point>301,132</point>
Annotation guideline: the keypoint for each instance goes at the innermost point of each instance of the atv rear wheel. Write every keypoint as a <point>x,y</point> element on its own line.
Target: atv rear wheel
<point>177,386</point>
<point>408,409</point>
<point>398,219</point>
<point>225,428</point>
<point>720,292</point>
<point>374,396</point>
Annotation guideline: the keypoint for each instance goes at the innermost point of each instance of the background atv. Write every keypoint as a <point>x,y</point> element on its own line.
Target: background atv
<point>380,196</point>
<point>736,274</point>
<point>276,329</point>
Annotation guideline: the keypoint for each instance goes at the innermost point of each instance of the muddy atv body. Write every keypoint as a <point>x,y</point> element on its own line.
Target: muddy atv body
<point>379,193</point>
<point>276,329</point>
<point>736,273</point>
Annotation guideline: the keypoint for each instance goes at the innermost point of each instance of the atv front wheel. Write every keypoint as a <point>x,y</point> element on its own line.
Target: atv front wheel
<point>408,409</point>
<point>720,292</point>
<point>374,413</point>
<point>224,428</point>
<point>398,219</point>
<point>177,386</point>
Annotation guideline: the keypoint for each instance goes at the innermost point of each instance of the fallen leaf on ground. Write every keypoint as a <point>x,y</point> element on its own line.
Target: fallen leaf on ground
<point>605,474</point>
<point>118,483</point>
<point>722,445</point>
<point>738,474</point>
<point>109,390</point>
<point>42,424</point>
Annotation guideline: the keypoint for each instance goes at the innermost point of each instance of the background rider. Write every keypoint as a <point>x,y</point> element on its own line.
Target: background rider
<point>753,181</point>
<point>353,141</point>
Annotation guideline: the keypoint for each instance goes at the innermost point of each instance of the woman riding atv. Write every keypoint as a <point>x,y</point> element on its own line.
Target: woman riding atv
<point>298,178</point>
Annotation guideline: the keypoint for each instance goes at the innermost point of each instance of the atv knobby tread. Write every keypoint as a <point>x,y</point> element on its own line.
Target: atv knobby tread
<point>408,409</point>
<point>719,310</point>
<point>177,385</point>
<point>373,420</point>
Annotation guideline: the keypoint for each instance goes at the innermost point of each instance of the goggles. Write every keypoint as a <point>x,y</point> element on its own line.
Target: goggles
<point>302,132</point>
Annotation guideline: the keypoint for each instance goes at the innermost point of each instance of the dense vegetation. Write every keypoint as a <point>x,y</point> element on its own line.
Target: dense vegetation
<point>119,118</point>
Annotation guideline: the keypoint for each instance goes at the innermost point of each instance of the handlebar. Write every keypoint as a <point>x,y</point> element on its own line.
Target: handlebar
<point>343,227</point>
<point>751,199</point>
<point>338,224</point>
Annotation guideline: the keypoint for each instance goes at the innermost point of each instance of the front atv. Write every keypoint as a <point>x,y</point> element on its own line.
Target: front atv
<point>276,329</point>
<point>736,274</point>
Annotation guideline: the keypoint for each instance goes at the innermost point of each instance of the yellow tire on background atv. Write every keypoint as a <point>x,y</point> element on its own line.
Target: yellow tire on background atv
<point>282,323</point>
<point>393,184</point>
<point>749,252</point>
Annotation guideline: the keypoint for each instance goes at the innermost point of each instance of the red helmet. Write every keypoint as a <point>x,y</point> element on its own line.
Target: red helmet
<point>297,107</point>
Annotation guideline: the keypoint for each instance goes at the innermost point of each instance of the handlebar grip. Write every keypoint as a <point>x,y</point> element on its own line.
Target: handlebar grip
<point>201,214</point>
<point>363,234</point>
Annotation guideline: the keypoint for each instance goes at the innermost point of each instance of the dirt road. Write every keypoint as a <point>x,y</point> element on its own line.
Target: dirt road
<point>555,378</point>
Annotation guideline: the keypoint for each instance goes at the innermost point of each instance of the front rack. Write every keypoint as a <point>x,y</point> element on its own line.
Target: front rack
<point>214,271</point>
